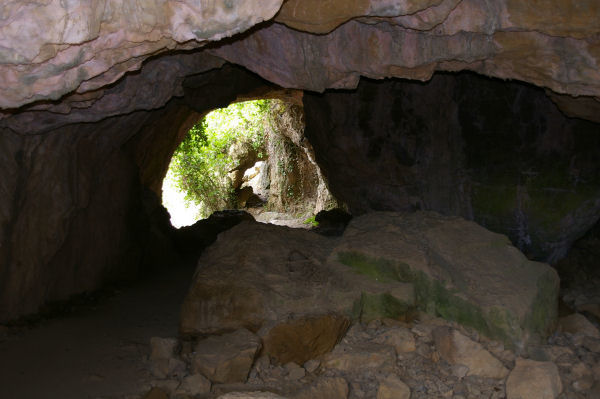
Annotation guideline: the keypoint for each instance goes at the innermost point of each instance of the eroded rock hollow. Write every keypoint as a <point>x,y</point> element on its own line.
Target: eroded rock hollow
<point>94,100</point>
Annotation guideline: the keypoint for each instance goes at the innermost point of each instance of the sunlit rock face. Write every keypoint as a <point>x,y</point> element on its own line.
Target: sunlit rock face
<point>50,48</point>
<point>554,45</point>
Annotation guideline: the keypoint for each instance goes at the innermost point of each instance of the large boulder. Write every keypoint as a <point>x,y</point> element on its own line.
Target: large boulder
<point>260,276</point>
<point>459,270</point>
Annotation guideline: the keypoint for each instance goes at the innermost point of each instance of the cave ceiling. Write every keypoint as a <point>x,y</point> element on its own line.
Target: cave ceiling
<point>70,51</point>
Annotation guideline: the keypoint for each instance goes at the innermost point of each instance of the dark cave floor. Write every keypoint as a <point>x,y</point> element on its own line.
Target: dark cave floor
<point>98,352</point>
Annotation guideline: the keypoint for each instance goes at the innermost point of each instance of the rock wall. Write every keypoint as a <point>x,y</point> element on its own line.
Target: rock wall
<point>72,214</point>
<point>79,200</point>
<point>499,153</point>
<point>53,48</point>
<point>296,182</point>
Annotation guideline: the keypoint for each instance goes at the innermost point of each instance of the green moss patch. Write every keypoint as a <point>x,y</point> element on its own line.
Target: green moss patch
<point>378,269</point>
<point>435,298</point>
<point>544,311</point>
<point>379,306</point>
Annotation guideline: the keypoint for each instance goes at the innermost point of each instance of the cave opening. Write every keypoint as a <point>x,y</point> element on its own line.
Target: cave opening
<point>251,156</point>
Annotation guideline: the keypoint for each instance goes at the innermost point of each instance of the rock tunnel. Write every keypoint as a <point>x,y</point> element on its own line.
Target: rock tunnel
<point>483,110</point>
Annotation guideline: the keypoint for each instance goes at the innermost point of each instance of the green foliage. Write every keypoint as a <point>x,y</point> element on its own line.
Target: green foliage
<point>201,163</point>
<point>311,220</point>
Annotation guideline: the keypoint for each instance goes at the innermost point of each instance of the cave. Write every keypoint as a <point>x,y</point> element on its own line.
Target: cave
<point>450,125</point>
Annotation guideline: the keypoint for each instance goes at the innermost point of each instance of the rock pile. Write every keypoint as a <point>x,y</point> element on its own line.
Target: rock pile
<point>426,358</point>
<point>280,313</point>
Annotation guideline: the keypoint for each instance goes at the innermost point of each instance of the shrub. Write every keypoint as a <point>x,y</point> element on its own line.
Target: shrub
<point>201,163</point>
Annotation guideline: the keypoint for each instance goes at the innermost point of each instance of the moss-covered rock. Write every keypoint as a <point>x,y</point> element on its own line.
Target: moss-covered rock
<point>459,270</point>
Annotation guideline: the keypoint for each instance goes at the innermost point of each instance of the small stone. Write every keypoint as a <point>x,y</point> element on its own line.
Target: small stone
<point>583,384</point>
<point>596,372</point>
<point>250,395</point>
<point>592,308</point>
<point>361,357</point>
<point>156,393</point>
<point>295,372</point>
<point>579,370</point>
<point>459,370</point>
<point>187,348</point>
<point>578,324</point>
<point>423,331</point>
<point>533,380</point>
<point>305,338</point>
<point>456,348</point>
<point>226,358</point>
<point>262,364</point>
<point>162,348</point>
<point>163,368</point>
<point>168,386</point>
<point>592,344</point>
<point>555,352</point>
<point>374,324</point>
<point>400,338</point>
<point>312,365</point>
<point>393,388</point>
<point>325,388</point>
<point>195,384</point>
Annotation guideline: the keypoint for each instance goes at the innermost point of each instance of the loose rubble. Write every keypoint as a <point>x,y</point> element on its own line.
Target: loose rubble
<point>425,358</point>
<point>260,325</point>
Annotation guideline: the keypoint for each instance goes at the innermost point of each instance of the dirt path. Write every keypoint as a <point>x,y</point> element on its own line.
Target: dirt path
<point>98,353</point>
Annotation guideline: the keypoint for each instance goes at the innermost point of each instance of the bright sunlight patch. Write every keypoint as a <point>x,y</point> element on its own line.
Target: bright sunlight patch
<point>198,183</point>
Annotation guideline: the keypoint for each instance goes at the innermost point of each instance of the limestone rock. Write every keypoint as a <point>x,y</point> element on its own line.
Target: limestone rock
<point>400,338</point>
<point>471,36</point>
<point>325,388</point>
<point>312,365</point>
<point>360,358</point>
<point>156,393</point>
<point>162,348</point>
<point>583,384</point>
<point>444,258</point>
<point>578,324</point>
<point>456,348</point>
<point>533,380</point>
<point>453,156</point>
<point>393,388</point>
<point>226,358</point>
<point>592,308</point>
<point>162,358</point>
<point>83,48</point>
<point>250,395</point>
<point>592,344</point>
<point>163,368</point>
<point>257,274</point>
<point>195,384</point>
<point>304,339</point>
<point>332,222</point>
<point>194,239</point>
<point>294,371</point>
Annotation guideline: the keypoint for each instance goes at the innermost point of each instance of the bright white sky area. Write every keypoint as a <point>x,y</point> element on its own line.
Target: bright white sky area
<point>182,213</point>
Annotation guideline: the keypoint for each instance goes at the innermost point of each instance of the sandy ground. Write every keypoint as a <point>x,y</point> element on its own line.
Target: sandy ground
<point>98,352</point>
